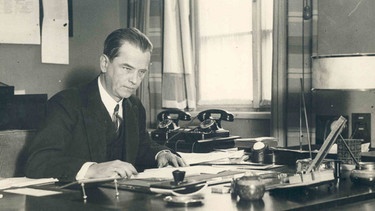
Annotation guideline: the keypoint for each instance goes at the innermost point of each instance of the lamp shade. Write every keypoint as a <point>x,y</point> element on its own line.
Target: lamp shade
<point>355,71</point>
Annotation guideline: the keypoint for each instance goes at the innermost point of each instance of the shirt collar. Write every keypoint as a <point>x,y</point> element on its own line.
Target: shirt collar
<point>108,101</point>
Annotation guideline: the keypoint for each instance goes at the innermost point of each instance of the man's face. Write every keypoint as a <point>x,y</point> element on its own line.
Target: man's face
<point>125,73</point>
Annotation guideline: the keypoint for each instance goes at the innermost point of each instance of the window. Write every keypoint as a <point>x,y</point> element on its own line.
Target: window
<point>233,45</point>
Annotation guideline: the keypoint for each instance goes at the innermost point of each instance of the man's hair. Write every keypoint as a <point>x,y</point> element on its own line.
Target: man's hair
<point>131,35</point>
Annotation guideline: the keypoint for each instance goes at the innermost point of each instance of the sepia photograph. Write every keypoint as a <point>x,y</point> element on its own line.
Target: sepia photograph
<point>187,105</point>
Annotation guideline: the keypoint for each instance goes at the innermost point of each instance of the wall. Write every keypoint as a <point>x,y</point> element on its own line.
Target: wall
<point>336,27</point>
<point>346,27</point>
<point>345,31</point>
<point>92,20</point>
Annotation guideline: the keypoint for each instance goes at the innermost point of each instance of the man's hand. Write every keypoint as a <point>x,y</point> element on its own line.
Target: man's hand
<point>111,169</point>
<point>166,158</point>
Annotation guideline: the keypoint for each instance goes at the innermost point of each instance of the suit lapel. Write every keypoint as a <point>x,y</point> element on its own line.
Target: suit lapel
<point>131,130</point>
<point>96,118</point>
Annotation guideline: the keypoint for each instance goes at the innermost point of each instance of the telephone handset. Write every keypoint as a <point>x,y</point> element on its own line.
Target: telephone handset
<point>211,119</point>
<point>168,119</point>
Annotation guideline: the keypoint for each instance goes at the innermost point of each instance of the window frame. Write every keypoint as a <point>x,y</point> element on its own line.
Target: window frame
<point>257,103</point>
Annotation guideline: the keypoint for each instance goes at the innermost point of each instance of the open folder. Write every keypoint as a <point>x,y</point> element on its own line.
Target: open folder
<point>160,180</point>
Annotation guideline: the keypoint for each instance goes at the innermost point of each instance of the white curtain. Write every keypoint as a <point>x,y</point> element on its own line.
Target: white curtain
<point>178,81</point>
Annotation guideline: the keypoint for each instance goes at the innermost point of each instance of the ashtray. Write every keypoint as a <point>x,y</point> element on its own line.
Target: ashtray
<point>184,200</point>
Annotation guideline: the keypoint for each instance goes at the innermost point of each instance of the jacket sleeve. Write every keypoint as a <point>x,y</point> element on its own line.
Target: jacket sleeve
<point>147,147</point>
<point>48,152</point>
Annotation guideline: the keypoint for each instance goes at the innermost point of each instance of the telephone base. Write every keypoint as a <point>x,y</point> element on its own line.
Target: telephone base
<point>203,146</point>
<point>187,136</point>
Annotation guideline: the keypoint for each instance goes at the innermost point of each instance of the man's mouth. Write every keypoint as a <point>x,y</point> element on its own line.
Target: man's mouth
<point>129,88</point>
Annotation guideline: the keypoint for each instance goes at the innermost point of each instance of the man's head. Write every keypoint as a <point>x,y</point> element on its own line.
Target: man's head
<point>124,62</point>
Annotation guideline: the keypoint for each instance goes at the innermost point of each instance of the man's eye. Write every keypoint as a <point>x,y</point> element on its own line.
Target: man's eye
<point>127,68</point>
<point>141,73</point>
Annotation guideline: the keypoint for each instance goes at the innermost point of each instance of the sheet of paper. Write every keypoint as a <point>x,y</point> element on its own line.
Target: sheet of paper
<point>32,192</point>
<point>55,32</point>
<point>23,182</point>
<point>250,166</point>
<point>19,22</point>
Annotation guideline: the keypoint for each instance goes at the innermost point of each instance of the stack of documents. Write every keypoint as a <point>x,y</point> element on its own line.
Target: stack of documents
<point>223,155</point>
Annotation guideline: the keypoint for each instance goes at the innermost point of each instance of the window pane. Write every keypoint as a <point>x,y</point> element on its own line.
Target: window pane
<point>225,52</point>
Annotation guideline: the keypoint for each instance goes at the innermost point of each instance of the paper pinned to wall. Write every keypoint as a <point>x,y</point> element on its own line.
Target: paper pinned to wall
<point>55,32</point>
<point>19,22</point>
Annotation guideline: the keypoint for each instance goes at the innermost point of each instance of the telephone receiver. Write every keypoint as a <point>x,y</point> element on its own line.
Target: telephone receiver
<point>168,119</point>
<point>211,119</point>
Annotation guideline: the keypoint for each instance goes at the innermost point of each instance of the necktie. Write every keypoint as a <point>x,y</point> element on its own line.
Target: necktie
<point>116,119</point>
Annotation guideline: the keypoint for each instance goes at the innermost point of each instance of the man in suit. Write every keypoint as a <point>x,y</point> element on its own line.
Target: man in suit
<point>83,137</point>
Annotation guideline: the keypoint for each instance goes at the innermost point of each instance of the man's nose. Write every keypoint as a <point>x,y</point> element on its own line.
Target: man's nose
<point>134,77</point>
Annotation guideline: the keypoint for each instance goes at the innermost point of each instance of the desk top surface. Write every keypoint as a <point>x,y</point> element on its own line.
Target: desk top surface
<point>338,193</point>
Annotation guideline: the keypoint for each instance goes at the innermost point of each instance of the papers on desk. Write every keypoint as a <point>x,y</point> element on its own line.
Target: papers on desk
<point>224,155</point>
<point>232,158</point>
<point>13,182</point>
<point>32,192</point>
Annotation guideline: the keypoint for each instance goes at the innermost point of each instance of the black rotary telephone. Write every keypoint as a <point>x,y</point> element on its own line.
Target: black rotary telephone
<point>211,119</point>
<point>168,119</point>
<point>168,124</point>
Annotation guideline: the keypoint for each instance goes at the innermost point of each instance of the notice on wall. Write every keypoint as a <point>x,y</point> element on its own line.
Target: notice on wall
<point>19,22</point>
<point>55,32</point>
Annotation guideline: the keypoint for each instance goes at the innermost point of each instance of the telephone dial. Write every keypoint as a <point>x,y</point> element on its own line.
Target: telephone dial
<point>211,120</point>
<point>168,124</point>
<point>169,119</point>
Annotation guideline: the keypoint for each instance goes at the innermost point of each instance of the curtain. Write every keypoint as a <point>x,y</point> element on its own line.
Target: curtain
<point>178,82</point>
<point>279,72</point>
<point>139,16</point>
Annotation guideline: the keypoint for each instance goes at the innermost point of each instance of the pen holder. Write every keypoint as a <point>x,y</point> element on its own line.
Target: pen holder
<point>354,146</point>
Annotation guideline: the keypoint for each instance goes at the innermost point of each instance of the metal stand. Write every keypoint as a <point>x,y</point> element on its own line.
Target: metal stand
<point>84,196</point>
<point>83,191</point>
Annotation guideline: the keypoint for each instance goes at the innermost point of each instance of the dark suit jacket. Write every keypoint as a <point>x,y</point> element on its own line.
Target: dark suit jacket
<point>75,132</point>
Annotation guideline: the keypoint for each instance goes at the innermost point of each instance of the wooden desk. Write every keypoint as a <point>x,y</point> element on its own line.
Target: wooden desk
<point>344,194</point>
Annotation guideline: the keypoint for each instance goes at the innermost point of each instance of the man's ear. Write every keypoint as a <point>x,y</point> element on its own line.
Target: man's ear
<point>104,60</point>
